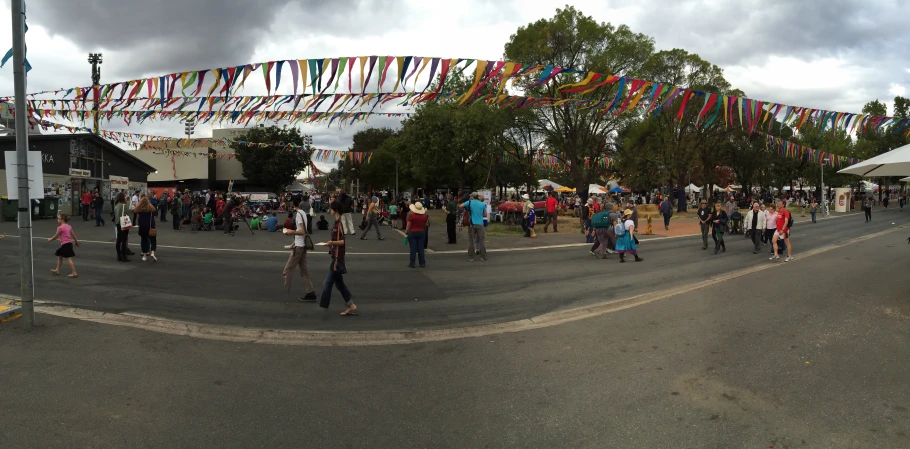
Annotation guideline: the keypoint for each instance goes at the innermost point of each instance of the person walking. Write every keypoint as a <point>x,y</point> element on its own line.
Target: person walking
<point>666,210</point>
<point>86,204</point>
<point>145,219</point>
<point>393,215</point>
<point>67,239</point>
<point>98,204</point>
<point>347,205</point>
<point>337,267</point>
<point>526,206</point>
<point>587,211</point>
<point>476,210</point>
<point>371,219</point>
<point>451,210</point>
<point>867,208</point>
<point>601,222</point>
<point>164,203</point>
<point>704,221</point>
<point>552,214</point>
<point>121,210</point>
<point>901,201</point>
<point>416,232</point>
<point>813,209</point>
<point>719,226</point>
<point>297,258</point>
<point>625,244</point>
<point>756,223</point>
<point>784,221</point>
<point>174,207</point>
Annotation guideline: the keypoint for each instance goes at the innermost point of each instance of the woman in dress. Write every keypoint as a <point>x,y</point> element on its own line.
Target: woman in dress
<point>67,239</point>
<point>415,230</point>
<point>145,219</point>
<point>625,243</point>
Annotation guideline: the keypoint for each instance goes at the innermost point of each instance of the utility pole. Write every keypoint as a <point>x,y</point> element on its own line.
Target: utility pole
<point>396,179</point>
<point>95,60</point>
<point>26,262</point>
<point>189,126</point>
<point>824,202</point>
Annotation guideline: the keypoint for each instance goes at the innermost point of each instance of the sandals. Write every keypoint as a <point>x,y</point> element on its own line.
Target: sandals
<point>350,312</point>
<point>74,275</point>
<point>57,273</point>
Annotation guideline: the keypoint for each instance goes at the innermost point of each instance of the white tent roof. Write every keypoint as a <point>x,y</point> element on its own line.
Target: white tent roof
<point>597,188</point>
<point>547,182</point>
<point>893,163</point>
<point>907,179</point>
<point>692,188</point>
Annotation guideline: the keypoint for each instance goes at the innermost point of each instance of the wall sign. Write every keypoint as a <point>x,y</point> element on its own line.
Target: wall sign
<point>80,173</point>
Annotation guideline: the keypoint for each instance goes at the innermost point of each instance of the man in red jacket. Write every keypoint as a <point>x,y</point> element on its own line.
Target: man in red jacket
<point>86,204</point>
<point>552,215</point>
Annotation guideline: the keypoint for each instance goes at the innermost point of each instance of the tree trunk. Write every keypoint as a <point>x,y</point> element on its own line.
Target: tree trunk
<point>681,193</point>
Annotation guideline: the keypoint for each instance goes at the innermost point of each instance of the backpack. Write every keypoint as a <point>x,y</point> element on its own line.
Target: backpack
<point>789,220</point>
<point>600,220</point>
<point>619,229</point>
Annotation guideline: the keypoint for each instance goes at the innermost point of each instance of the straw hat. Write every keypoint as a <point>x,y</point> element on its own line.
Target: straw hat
<point>417,208</point>
<point>627,212</point>
<point>525,196</point>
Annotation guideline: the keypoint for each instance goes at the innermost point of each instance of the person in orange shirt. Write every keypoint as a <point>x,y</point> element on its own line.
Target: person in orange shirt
<point>86,204</point>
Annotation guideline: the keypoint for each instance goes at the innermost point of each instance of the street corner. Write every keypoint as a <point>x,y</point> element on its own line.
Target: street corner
<point>10,310</point>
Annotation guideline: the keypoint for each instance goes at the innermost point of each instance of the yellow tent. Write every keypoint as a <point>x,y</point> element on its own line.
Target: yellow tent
<point>565,190</point>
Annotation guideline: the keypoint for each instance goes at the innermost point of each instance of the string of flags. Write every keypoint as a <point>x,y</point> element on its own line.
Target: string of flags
<point>163,144</point>
<point>797,151</point>
<point>322,75</point>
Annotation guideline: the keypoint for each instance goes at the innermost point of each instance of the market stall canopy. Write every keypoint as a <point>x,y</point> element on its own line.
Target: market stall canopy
<point>893,163</point>
<point>546,184</point>
<point>565,190</point>
<point>692,188</point>
<point>596,188</point>
<point>617,190</point>
<point>907,179</point>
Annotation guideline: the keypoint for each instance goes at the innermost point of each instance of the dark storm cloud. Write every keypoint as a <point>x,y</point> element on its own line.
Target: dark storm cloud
<point>730,32</point>
<point>156,37</point>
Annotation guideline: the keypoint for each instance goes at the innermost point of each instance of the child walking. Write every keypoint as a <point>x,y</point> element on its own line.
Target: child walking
<point>532,220</point>
<point>67,238</point>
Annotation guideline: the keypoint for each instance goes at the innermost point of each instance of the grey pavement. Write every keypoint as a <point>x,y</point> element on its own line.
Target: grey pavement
<point>809,356</point>
<point>243,288</point>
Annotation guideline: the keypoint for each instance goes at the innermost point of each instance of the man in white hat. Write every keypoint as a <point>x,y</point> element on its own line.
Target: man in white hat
<point>525,210</point>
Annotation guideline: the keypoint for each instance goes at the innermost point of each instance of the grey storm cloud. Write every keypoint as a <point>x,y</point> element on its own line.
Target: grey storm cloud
<point>156,37</point>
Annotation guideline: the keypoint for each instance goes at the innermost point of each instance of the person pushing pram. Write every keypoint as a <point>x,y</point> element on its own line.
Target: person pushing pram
<point>736,222</point>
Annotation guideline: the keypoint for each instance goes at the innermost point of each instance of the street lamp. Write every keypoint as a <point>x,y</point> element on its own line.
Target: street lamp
<point>823,196</point>
<point>95,60</point>
<point>189,126</point>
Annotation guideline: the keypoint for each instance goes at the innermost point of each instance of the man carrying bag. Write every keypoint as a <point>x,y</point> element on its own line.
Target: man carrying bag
<point>302,244</point>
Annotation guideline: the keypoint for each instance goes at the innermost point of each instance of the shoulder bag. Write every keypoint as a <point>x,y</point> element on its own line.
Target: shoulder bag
<point>125,222</point>
<point>338,265</point>
<point>307,241</point>
<point>152,231</point>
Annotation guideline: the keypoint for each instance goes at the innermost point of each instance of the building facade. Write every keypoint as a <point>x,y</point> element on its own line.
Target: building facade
<point>73,162</point>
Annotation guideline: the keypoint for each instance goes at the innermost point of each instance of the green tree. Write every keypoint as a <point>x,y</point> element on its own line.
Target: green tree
<point>875,107</point>
<point>271,167</point>
<point>577,137</point>
<point>901,107</point>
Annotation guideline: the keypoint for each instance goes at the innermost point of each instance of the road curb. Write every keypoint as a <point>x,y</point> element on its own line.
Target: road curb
<point>369,338</point>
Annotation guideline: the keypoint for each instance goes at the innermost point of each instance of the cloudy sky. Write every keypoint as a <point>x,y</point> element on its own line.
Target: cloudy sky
<point>833,54</point>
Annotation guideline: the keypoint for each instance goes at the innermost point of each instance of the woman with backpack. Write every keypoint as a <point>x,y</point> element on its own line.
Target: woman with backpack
<point>625,244</point>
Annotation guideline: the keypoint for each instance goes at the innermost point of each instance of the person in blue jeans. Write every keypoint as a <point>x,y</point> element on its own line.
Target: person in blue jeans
<point>476,233</point>
<point>337,268</point>
<point>416,232</point>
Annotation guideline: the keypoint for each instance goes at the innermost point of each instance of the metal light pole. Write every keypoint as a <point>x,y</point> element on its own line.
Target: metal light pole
<point>95,60</point>
<point>26,262</point>
<point>823,196</point>
<point>396,179</point>
<point>189,126</point>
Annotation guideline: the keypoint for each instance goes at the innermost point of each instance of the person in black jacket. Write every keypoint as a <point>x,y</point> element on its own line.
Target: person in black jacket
<point>719,223</point>
<point>347,208</point>
<point>98,204</point>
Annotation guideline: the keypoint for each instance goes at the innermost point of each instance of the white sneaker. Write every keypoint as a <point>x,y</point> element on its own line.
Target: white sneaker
<point>788,259</point>
<point>144,259</point>
<point>774,257</point>
<point>154,258</point>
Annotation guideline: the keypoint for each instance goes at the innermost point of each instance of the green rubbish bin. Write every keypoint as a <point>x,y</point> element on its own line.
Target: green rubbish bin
<point>47,207</point>
<point>10,209</point>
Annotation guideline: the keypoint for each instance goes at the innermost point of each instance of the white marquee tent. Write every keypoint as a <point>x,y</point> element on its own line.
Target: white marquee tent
<point>893,163</point>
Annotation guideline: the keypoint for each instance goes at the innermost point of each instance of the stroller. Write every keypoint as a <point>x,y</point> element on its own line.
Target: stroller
<point>736,222</point>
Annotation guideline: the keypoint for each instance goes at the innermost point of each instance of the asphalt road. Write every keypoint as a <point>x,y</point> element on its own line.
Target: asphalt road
<point>244,288</point>
<point>813,355</point>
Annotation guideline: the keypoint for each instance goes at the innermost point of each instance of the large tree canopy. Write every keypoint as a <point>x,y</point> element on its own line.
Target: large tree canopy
<point>272,167</point>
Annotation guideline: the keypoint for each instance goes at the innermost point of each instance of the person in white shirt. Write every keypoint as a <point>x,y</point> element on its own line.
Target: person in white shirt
<point>298,254</point>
